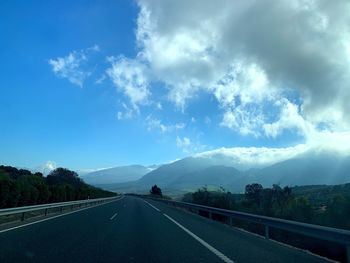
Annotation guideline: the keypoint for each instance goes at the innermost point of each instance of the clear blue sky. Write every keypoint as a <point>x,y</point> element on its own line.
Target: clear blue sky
<point>89,111</point>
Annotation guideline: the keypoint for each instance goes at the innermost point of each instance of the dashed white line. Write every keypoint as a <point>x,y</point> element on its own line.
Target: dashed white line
<point>205,244</point>
<point>152,206</point>
<point>113,216</point>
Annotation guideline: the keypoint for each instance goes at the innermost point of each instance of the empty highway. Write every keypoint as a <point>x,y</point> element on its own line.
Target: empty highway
<point>135,230</point>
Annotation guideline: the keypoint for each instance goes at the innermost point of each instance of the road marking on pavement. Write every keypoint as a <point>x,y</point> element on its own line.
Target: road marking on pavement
<point>113,216</point>
<point>53,217</point>
<point>205,244</point>
<point>151,205</point>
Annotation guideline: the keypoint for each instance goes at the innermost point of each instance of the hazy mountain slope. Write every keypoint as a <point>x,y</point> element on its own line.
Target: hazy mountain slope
<point>167,173</point>
<point>191,173</point>
<point>168,176</point>
<point>314,169</point>
<point>214,176</point>
<point>187,175</point>
<point>116,175</point>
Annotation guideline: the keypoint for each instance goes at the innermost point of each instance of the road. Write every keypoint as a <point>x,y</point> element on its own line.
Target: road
<point>135,230</point>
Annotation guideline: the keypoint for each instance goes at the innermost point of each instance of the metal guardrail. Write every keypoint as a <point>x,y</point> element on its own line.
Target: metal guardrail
<point>340,236</point>
<point>24,209</point>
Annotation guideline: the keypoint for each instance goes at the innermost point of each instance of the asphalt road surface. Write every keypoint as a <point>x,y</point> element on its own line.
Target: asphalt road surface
<point>137,230</point>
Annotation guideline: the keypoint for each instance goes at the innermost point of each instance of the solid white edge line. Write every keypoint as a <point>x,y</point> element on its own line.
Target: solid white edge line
<point>113,216</point>
<point>152,206</point>
<point>205,244</point>
<point>53,217</point>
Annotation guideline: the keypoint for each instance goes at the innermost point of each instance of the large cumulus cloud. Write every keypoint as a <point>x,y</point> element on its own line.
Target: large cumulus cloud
<point>271,65</point>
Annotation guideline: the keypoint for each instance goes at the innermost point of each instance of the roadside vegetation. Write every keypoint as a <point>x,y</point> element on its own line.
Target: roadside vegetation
<point>156,191</point>
<point>321,205</point>
<point>20,187</point>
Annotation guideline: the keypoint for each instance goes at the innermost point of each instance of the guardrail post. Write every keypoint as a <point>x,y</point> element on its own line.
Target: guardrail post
<point>46,212</point>
<point>71,207</point>
<point>22,218</point>
<point>61,209</point>
<point>348,253</point>
<point>267,232</point>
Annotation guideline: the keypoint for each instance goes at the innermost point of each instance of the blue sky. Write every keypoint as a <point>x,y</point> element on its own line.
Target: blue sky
<point>91,84</point>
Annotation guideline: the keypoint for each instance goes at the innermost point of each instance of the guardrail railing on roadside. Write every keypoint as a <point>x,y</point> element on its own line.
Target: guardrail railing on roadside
<point>46,207</point>
<point>339,236</point>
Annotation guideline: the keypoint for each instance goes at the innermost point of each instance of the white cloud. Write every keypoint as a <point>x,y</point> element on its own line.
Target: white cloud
<point>156,124</point>
<point>289,118</point>
<point>126,113</point>
<point>47,167</point>
<point>101,79</point>
<point>159,106</point>
<point>130,77</point>
<point>183,143</point>
<point>189,146</point>
<point>336,142</point>
<point>207,120</point>
<point>95,48</point>
<point>179,126</point>
<point>73,66</point>
<point>247,121</point>
<point>249,57</point>
<point>50,165</point>
<point>253,157</point>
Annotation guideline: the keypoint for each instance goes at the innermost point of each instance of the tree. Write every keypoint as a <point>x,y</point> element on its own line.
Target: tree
<point>300,209</point>
<point>281,199</point>
<point>219,198</point>
<point>338,211</point>
<point>201,196</point>
<point>155,190</point>
<point>253,193</point>
<point>5,189</point>
<point>63,175</point>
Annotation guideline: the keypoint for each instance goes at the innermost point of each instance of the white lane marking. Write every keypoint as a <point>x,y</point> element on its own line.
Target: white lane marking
<point>151,205</point>
<point>205,244</point>
<point>113,216</point>
<point>53,217</point>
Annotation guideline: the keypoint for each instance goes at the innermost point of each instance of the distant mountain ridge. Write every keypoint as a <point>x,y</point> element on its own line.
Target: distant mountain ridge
<point>118,174</point>
<point>226,168</point>
<point>190,173</point>
<point>316,169</point>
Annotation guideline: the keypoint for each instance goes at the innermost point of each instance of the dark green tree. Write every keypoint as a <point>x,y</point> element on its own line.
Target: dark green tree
<point>155,190</point>
<point>253,193</point>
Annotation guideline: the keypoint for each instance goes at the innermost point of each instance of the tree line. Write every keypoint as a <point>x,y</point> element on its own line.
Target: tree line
<point>21,187</point>
<point>278,202</point>
<point>283,203</point>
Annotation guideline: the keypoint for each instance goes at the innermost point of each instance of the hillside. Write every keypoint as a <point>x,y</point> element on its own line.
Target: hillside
<point>118,174</point>
<point>318,169</point>
<point>212,177</point>
<point>191,173</point>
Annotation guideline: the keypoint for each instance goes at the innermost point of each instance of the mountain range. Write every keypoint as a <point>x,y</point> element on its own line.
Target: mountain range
<point>118,174</point>
<point>228,171</point>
